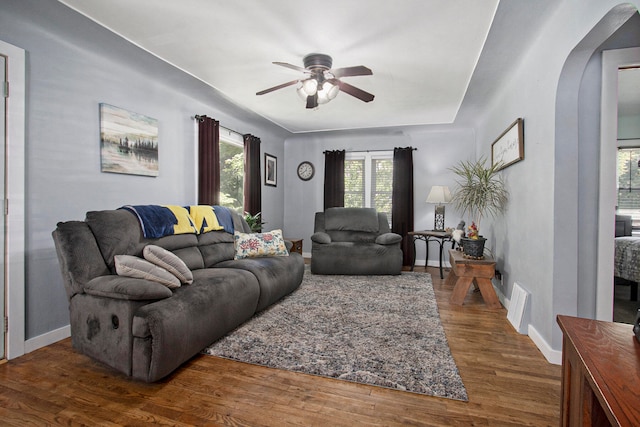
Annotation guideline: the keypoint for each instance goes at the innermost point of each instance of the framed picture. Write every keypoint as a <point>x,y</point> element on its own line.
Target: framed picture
<point>509,147</point>
<point>270,170</point>
<point>128,142</point>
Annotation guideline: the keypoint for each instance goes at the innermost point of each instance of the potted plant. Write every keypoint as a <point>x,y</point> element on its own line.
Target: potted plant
<point>254,221</point>
<point>480,192</point>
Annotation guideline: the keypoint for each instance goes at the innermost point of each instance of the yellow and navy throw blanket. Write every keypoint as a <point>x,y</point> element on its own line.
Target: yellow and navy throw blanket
<point>158,221</point>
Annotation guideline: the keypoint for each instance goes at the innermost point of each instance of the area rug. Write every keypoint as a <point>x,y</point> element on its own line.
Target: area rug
<point>378,330</point>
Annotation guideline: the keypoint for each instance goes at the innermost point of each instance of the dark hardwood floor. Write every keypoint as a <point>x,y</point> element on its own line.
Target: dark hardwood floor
<point>508,381</point>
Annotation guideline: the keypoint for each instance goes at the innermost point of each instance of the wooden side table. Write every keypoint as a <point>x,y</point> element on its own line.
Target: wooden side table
<point>428,235</point>
<point>297,245</point>
<point>600,371</point>
<point>466,271</point>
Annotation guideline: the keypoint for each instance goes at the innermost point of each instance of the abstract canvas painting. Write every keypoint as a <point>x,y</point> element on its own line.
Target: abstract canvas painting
<point>128,142</point>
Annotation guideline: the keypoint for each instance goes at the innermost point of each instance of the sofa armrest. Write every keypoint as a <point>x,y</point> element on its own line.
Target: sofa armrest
<point>126,288</point>
<point>388,239</point>
<point>320,237</point>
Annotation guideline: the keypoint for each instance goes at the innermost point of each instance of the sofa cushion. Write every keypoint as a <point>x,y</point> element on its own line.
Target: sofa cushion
<point>351,219</point>
<point>169,261</point>
<point>320,237</point>
<point>388,239</point>
<point>277,275</point>
<point>126,288</point>
<point>252,245</point>
<point>130,266</point>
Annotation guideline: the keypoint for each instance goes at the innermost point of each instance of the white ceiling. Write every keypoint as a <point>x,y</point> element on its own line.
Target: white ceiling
<point>422,52</point>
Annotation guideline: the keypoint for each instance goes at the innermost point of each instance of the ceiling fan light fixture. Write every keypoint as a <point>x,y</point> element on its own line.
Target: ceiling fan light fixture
<point>327,92</point>
<point>322,83</point>
<point>310,86</point>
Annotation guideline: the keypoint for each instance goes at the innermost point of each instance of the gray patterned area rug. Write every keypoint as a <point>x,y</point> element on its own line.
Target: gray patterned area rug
<point>377,330</point>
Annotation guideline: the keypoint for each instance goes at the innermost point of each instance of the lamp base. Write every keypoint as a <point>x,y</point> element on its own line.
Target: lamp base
<point>438,223</point>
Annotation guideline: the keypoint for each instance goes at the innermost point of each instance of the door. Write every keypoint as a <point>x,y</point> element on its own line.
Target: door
<point>3,136</point>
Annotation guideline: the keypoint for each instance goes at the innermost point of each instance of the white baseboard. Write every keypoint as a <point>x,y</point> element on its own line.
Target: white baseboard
<point>552,356</point>
<point>44,340</point>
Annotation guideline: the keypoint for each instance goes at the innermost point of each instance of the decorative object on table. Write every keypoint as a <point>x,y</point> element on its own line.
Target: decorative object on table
<point>342,328</point>
<point>128,142</point>
<point>457,236</point>
<point>255,221</point>
<point>480,191</point>
<point>509,147</point>
<point>439,194</point>
<point>270,170</point>
<point>306,171</point>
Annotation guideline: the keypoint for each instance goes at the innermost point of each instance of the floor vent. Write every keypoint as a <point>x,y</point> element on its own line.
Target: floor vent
<point>517,306</point>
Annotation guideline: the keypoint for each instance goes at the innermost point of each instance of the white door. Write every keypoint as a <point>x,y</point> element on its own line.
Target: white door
<point>3,135</point>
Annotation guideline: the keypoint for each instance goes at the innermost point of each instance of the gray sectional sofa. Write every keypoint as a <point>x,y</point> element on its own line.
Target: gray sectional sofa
<point>143,328</point>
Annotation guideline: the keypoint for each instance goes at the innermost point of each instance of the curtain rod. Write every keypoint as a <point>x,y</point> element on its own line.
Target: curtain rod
<point>201,119</point>
<point>367,151</point>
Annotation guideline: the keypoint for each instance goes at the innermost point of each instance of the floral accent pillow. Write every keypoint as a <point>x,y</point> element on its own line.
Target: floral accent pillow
<point>251,245</point>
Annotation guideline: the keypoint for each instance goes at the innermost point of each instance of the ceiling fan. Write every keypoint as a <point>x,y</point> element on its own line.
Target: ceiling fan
<point>323,83</point>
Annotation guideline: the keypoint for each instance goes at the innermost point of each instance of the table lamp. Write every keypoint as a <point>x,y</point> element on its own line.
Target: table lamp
<point>439,194</point>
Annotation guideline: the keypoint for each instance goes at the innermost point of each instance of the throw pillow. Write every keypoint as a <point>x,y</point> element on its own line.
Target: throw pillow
<point>250,245</point>
<point>131,266</point>
<point>169,261</point>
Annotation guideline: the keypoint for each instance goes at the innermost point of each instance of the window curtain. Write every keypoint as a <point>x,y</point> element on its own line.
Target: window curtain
<point>252,177</point>
<point>334,178</point>
<point>208,161</point>
<point>402,200</point>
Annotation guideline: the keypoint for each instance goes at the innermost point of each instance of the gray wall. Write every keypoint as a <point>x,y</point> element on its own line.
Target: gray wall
<point>72,66</point>
<point>538,240</point>
<point>438,148</point>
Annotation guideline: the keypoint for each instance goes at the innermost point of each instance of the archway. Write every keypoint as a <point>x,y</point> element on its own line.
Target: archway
<point>577,222</point>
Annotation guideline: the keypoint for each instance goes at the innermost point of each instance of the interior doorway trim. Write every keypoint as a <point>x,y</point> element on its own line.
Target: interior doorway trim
<point>612,60</point>
<point>15,191</point>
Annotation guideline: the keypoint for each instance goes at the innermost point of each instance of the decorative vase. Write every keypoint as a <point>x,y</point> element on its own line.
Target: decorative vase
<point>473,248</point>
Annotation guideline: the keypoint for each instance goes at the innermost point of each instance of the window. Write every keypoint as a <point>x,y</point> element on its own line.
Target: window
<point>368,181</point>
<point>231,170</point>
<point>629,183</point>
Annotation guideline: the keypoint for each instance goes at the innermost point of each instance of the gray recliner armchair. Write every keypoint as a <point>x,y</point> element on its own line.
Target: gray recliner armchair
<point>354,241</point>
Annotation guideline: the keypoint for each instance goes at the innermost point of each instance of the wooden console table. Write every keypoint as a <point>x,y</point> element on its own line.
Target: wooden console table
<point>600,373</point>
<point>465,271</point>
<point>297,244</point>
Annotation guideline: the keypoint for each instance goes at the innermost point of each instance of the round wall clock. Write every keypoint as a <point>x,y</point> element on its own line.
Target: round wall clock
<point>305,171</point>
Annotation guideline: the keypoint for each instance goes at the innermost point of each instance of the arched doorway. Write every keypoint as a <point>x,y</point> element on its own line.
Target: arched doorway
<point>584,226</point>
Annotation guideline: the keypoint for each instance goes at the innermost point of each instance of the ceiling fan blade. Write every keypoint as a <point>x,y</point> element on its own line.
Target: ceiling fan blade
<point>293,67</point>
<point>354,91</point>
<point>312,101</point>
<point>271,89</point>
<point>359,70</point>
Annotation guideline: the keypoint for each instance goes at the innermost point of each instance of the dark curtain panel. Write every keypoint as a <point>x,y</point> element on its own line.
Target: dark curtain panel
<point>334,178</point>
<point>252,177</point>
<point>208,161</point>
<point>402,200</point>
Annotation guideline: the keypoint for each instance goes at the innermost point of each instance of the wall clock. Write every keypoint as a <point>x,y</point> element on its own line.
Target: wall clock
<point>305,171</point>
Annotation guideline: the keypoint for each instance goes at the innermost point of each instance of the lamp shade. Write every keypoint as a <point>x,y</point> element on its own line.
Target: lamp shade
<point>439,194</point>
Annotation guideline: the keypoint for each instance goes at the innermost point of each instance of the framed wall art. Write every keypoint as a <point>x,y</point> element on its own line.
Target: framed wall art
<point>270,170</point>
<point>509,147</point>
<point>128,142</point>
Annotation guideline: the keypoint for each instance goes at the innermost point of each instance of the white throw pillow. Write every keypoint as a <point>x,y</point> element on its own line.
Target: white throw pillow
<point>131,266</point>
<point>169,261</point>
